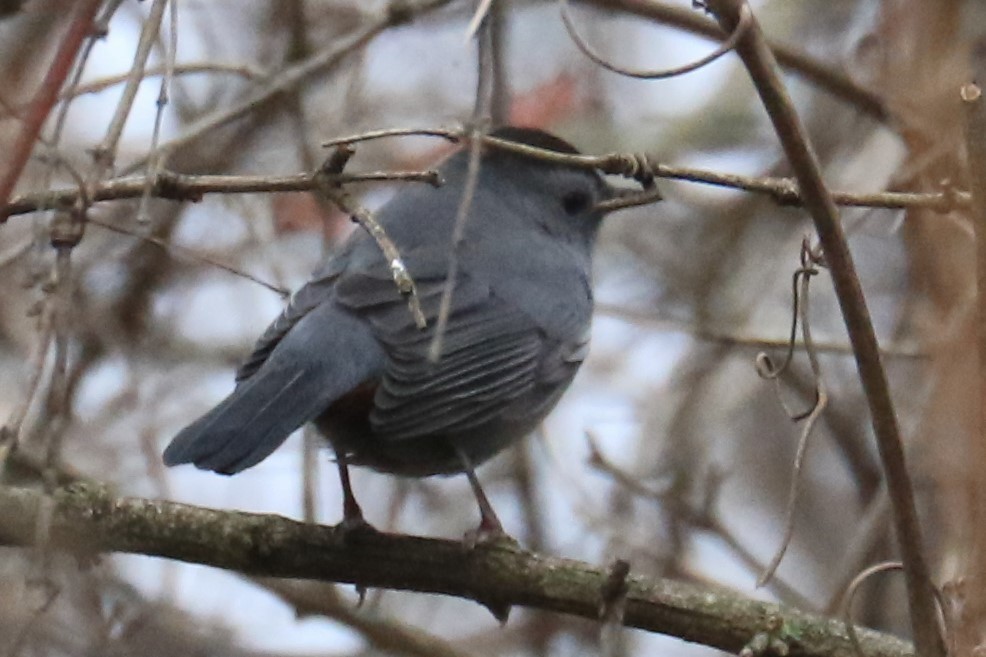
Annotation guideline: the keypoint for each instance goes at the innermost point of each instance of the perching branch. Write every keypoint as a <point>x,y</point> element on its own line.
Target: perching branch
<point>90,520</point>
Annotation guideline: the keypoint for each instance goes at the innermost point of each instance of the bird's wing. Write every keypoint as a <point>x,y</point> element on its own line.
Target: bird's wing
<point>492,352</point>
<point>302,302</point>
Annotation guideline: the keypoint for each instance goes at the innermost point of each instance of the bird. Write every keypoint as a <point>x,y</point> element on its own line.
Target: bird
<point>347,355</point>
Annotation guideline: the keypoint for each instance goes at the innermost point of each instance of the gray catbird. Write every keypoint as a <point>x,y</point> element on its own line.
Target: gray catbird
<point>347,355</point>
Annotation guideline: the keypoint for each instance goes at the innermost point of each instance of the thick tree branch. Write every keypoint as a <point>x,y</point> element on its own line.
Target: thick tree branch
<point>89,519</point>
<point>763,70</point>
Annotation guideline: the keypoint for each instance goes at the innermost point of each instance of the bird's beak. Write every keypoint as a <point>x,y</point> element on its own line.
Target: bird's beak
<point>628,198</point>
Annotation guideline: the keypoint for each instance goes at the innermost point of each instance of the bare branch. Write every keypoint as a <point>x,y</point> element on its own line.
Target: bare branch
<point>90,520</point>
<point>181,187</point>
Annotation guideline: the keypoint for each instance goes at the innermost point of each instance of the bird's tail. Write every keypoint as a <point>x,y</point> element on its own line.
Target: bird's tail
<point>246,427</point>
<point>326,354</point>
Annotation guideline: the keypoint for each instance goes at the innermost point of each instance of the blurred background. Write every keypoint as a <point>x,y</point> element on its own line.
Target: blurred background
<point>669,451</point>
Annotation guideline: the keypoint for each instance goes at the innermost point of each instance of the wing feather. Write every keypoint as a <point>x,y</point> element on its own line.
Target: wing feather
<point>491,354</point>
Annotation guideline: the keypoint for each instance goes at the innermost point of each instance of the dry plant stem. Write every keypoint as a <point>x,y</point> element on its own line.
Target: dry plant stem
<point>972,556</point>
<point>659,322</point>
<point>100,27</point>
<point>11,430</point>
<point>344,201</point>
<point>500,91</point>
<point>101,84</point>
<point>56,407</point>
<point>612,610</point>
<point>181,187</point>
<point>784,191</point>
<point>389,635</point>
<point>659,74</point>
<point>90,518</point>
<point>802,315</point>
<point>850,595</point>
<point>821,75</point>
<point>703,518</point>
<point>80,27</point>
<point>480,118</point>
<point>975,109</point>
<point>477,18</point>
<point>156,165</point>
<point>871,531</point>
<point>105,154</point>
<point>397,13</point>
<point>759,60</point>
<point>310,450</point>
<point>175,250</point>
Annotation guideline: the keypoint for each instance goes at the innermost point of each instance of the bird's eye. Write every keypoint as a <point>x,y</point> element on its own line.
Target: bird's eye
<point>575,201</point>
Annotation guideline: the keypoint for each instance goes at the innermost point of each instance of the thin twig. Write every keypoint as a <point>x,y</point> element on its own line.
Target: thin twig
<point>657,74</point>
<point>762,66</point>
<point>175,250</point>
<point>156,164</point>
<point>10,433</point>
<point>699,516</point>
<point>80,28</point>
<point>870,532</point>
<point>101,84</point>
<point>850,596</point>
<point>181,187</point>
<point>398,12</point>
<point>104,155</point>
<point>659,322</point>
<point>784,191</point>
<point>388,635</point>
<point>810,418</point>
<point>338,195</point>
<point>478,17</point>
<point>821,75</point>
<point>480,121</point>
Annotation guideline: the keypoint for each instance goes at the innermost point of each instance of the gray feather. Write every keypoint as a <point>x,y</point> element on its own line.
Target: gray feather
<point>323,355</point>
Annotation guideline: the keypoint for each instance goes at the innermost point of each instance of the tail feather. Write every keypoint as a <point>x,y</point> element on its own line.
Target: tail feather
<point>248,425</point>
<point>324,356</point>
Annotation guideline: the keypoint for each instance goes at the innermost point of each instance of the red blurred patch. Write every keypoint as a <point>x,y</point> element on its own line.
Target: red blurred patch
<point>546,105</point>
<point>540,107</point>
<point>300,212</point>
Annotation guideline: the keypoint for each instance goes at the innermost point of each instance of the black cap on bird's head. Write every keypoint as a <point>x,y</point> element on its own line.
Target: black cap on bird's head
<point>611,198</point>
<point>574,190</point>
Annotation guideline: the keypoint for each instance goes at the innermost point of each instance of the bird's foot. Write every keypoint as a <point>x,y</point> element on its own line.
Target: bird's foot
<point>488,534</point>
<point>353,523</point>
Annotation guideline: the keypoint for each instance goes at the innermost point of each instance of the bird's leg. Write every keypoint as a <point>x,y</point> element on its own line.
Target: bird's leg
<point>352,514</point>
<point>489,528</point>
